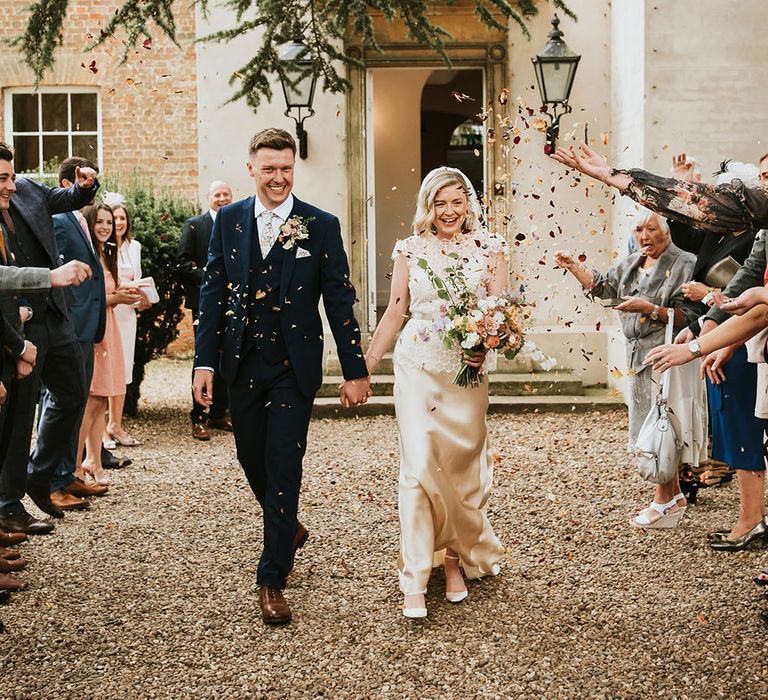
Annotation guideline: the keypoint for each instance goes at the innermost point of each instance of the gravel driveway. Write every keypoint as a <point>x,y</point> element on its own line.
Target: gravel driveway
<point>151,594</point>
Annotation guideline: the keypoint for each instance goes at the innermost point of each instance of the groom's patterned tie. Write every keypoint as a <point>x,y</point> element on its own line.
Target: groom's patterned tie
<point>267,236</point>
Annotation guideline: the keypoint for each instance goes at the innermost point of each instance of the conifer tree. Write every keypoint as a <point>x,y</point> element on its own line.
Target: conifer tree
<point>323,24</point>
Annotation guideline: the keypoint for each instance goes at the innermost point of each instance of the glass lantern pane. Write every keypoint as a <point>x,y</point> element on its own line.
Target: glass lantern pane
<point>55,116</point>
<point>26,157</point>
<point>86,147</point>
<point>556,78</point>
<point>84,112</point>
<point>25,116</point>
<point>300,95</point>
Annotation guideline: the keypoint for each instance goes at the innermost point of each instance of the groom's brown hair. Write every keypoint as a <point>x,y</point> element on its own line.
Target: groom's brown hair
<point>279,139</point>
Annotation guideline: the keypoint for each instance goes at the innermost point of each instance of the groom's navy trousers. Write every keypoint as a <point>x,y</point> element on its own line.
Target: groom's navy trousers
<point>270,418</point>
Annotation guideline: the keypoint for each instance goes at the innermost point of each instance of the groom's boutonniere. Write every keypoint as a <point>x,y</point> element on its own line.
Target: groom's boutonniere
<point>292,231</point>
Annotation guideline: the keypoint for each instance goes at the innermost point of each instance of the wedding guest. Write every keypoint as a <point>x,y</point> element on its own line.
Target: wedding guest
<point>191,259</point>
<point>108,362</point>
<point>737,434</point>
<point>26,208</point>
<point>445,471</point>
<point>129,271</point>
<point>88,311</point>
<point>731,208</point>
<point>648,283</point>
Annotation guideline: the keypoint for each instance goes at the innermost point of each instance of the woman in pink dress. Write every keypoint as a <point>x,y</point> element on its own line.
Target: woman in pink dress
<point>129,271</point>
<point>108,361</point>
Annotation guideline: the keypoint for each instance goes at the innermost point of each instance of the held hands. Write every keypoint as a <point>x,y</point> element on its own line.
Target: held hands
<point>588,161</point>
<point>695,291</point>
<point>72,273</point>
<point>744,302</point>
<point>635,304</point>
<point>85,177</point>
<point>202,386</point>
<point>355,392</point>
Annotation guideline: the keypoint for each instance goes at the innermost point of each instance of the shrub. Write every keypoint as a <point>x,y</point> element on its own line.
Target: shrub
<point>157,220</point>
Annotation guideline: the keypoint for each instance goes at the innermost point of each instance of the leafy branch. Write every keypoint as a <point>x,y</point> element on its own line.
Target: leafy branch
<point>323,24</point>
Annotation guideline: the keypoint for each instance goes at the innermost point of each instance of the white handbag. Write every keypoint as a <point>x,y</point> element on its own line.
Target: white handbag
<point>658,447</point>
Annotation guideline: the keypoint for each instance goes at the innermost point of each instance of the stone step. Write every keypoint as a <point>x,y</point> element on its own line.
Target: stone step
<point>590,400</point>
<point>519,364</point>
<point>520,384</point>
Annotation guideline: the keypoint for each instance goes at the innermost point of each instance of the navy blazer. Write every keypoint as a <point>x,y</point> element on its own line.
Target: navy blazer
<point>89,308</point>
<point>324,272</point>
<point>192,256</point>
<point>36,203</point>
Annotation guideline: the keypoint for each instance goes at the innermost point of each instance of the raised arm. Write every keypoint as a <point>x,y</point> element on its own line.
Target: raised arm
<point>719,209</point>
<point>392,320</point>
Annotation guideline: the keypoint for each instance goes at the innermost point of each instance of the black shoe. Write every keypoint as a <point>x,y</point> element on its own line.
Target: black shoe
<point>109,461</point>
<point>24,522</point>
<point>759,533</point>
<point>5,596</point>
<point>764,616</point>
<point>41,497</point>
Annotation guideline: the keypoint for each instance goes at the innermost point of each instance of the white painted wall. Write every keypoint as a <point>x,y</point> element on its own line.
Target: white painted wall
<point>397,160</point>
<point>225,129</point>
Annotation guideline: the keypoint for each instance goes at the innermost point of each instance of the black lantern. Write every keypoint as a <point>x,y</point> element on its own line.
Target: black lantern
<point>298,86</point>
<point>555,67</point>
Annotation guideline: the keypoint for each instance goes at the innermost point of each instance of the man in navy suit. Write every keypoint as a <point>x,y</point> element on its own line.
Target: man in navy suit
<point>271,258</point>
<point>89,314</point>
<point>48,326</point>
<point>190,259</point>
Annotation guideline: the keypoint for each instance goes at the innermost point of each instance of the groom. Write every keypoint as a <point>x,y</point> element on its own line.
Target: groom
<point>270,259</point>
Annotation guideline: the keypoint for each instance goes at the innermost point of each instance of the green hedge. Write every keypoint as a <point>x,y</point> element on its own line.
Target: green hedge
<point>157,220</point>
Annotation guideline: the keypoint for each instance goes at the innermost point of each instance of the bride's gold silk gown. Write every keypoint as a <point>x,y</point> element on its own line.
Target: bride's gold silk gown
<point>446,473</point>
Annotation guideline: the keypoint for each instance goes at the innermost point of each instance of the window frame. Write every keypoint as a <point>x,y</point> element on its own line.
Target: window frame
<point>69,90</point>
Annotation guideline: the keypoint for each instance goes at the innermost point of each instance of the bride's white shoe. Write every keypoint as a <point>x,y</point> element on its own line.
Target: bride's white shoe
<point>414,613</point>
<point>455,596</point>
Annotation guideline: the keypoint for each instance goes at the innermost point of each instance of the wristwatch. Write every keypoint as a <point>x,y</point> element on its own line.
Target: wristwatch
<point>695,348</point>
<point>655,313</point>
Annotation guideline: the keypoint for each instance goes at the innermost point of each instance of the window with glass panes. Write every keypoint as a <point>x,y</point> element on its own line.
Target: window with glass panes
<point>51,125</point>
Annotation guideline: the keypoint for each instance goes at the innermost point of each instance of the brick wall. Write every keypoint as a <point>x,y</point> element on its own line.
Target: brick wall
<point>148,104</point>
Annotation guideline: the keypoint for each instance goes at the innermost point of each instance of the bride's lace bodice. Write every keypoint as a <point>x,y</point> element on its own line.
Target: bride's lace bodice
<point>418,343</point>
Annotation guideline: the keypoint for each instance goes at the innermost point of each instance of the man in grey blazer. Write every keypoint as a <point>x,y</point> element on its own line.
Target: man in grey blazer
<point>21,280</point>
<point>26,208</point>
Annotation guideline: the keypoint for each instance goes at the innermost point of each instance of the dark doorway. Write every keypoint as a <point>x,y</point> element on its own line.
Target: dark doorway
<point>451,131</point>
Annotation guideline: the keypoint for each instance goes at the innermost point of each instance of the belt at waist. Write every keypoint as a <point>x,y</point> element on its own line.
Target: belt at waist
<point>422,317</point>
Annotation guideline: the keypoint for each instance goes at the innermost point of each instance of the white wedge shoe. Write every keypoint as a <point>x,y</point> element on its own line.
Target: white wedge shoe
<point>666,520</point>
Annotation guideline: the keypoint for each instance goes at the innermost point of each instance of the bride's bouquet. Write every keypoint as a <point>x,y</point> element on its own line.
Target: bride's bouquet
<point>472,320</point>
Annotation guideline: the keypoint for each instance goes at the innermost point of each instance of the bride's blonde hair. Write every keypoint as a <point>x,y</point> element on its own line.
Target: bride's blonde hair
<point>436,180</point>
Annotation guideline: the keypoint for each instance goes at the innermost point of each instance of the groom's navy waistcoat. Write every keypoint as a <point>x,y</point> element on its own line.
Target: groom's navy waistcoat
<point>264,331</point>
<point>315,266</point>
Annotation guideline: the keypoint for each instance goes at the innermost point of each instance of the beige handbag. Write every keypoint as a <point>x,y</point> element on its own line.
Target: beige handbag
<point>722,272</point>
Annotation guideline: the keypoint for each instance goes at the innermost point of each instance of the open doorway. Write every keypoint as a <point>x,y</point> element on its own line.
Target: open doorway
<point>422,118</point>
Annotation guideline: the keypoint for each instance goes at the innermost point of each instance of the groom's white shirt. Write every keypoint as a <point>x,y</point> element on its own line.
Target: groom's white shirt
<point>281,214</point>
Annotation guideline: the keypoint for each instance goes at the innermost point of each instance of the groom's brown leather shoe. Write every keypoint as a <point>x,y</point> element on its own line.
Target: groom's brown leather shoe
<point>299,540</point>
<point>274,607</point>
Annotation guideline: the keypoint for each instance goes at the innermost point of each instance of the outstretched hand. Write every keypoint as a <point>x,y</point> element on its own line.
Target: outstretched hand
<point>746,301</point>
<point>72,273</point>
<point>682,168</point>
<point>588,161</point>
<point>666,356</point>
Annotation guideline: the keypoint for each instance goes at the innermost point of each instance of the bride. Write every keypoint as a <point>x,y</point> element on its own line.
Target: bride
<point>445,471</point>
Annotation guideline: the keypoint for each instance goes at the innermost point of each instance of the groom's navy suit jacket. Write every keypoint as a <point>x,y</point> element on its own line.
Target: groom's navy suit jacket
<point>89,308</point>
<point>225,294</point>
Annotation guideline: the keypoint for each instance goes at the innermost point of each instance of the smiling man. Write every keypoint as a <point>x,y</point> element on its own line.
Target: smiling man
<point>270,260</point>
